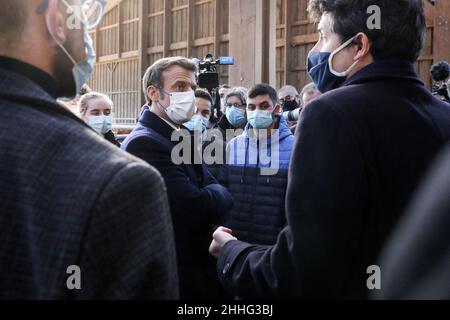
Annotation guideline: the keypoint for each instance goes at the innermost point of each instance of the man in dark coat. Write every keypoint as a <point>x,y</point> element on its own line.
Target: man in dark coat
<point>79,218</point>
<point>196,200</point>
<point>360,152</point>
<point>416,263</point>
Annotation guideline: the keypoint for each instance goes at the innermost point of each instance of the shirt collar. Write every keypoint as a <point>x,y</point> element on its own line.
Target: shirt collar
<point>170,124</point>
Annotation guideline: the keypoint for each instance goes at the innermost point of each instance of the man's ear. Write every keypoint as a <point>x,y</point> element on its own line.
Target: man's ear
<point>363,46</point>
<point>277,108</point>
<point>153,93</point>
<point>55,22</point>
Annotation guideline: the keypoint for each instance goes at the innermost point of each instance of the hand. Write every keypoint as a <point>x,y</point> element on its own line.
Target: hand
<point>220,237</point>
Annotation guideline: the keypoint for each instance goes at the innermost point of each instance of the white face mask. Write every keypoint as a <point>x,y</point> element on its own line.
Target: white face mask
<point>182,107</point>
<point>101,124</point>
<point>330,60</point>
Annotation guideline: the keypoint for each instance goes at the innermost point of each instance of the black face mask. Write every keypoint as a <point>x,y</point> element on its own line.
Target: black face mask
<point>289,105</point>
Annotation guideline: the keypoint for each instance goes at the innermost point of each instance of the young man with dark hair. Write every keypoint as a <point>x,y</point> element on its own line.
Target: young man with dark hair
<point>258,214</point>
<point>361,150</point>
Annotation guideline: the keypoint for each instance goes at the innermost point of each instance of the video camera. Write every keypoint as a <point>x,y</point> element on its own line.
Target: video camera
<point>440,72</point>
<point>208,77</point>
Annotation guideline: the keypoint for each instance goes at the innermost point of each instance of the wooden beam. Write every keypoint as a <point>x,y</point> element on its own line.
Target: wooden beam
<point>204,42</point>
<point>179,8</point>
<point>225,37</point>
<point>142,42</point>
<point>130,54</point>
<point>153,50</point>
<point>240,74</point>
<point>429,12</point>
<point>217,22</point>
<point>178,45</point>
<point>110,4</point>
<point>259,34</point>
<point>271,38</point>
<point>166,28</point>
<point>307,38</point>
<point>119,29</point>
<point>111,57</point>
<point>287,41</point>
<point>441,38</point>
<point>110,26</point>
<point>190,28</point>
<point>252,43</point>
<point>97,43</point>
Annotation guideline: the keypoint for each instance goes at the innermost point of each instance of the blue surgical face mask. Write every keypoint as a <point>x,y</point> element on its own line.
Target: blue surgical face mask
<point>322,72</point>
<point>235,116</point>
<point>260,119</point>
<point>82,70</point>
<point>197,122</point>
<point>319,72</point>
<point>102,124</point>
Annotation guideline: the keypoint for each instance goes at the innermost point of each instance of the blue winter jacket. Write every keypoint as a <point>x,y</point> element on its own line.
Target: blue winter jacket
<point>256,176</point>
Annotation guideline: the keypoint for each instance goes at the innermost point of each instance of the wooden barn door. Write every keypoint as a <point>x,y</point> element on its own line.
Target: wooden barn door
<point>296,37</point>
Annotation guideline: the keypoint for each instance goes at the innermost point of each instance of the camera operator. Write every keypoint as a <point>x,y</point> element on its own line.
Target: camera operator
<point>440,73</point>
<point>208,78</point>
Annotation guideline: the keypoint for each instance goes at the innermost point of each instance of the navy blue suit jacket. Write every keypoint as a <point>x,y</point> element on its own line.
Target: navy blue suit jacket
<point>197,203</point>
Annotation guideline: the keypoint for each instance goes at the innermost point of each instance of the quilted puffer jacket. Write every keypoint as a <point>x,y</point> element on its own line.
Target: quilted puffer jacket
<point>257,176</point>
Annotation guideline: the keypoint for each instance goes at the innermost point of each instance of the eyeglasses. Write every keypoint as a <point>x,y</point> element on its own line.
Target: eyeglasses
<point>90,11</point>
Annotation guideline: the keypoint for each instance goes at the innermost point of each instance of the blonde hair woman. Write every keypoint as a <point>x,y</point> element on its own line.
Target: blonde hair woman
<point>96,110</point>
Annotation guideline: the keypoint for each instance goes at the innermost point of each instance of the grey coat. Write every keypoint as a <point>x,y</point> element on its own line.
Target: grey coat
<point>68,197</point>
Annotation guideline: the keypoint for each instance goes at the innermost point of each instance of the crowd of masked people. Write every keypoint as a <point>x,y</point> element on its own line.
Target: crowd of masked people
<point>301,192</point>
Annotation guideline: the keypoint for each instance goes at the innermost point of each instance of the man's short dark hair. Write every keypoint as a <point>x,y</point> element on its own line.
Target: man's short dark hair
<point>403,25</point>
<point>203,94</point>
<point>262,90</point>
<point>154,74</point>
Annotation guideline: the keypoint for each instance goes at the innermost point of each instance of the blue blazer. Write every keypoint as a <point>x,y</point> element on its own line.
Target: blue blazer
<point>197,203</point>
